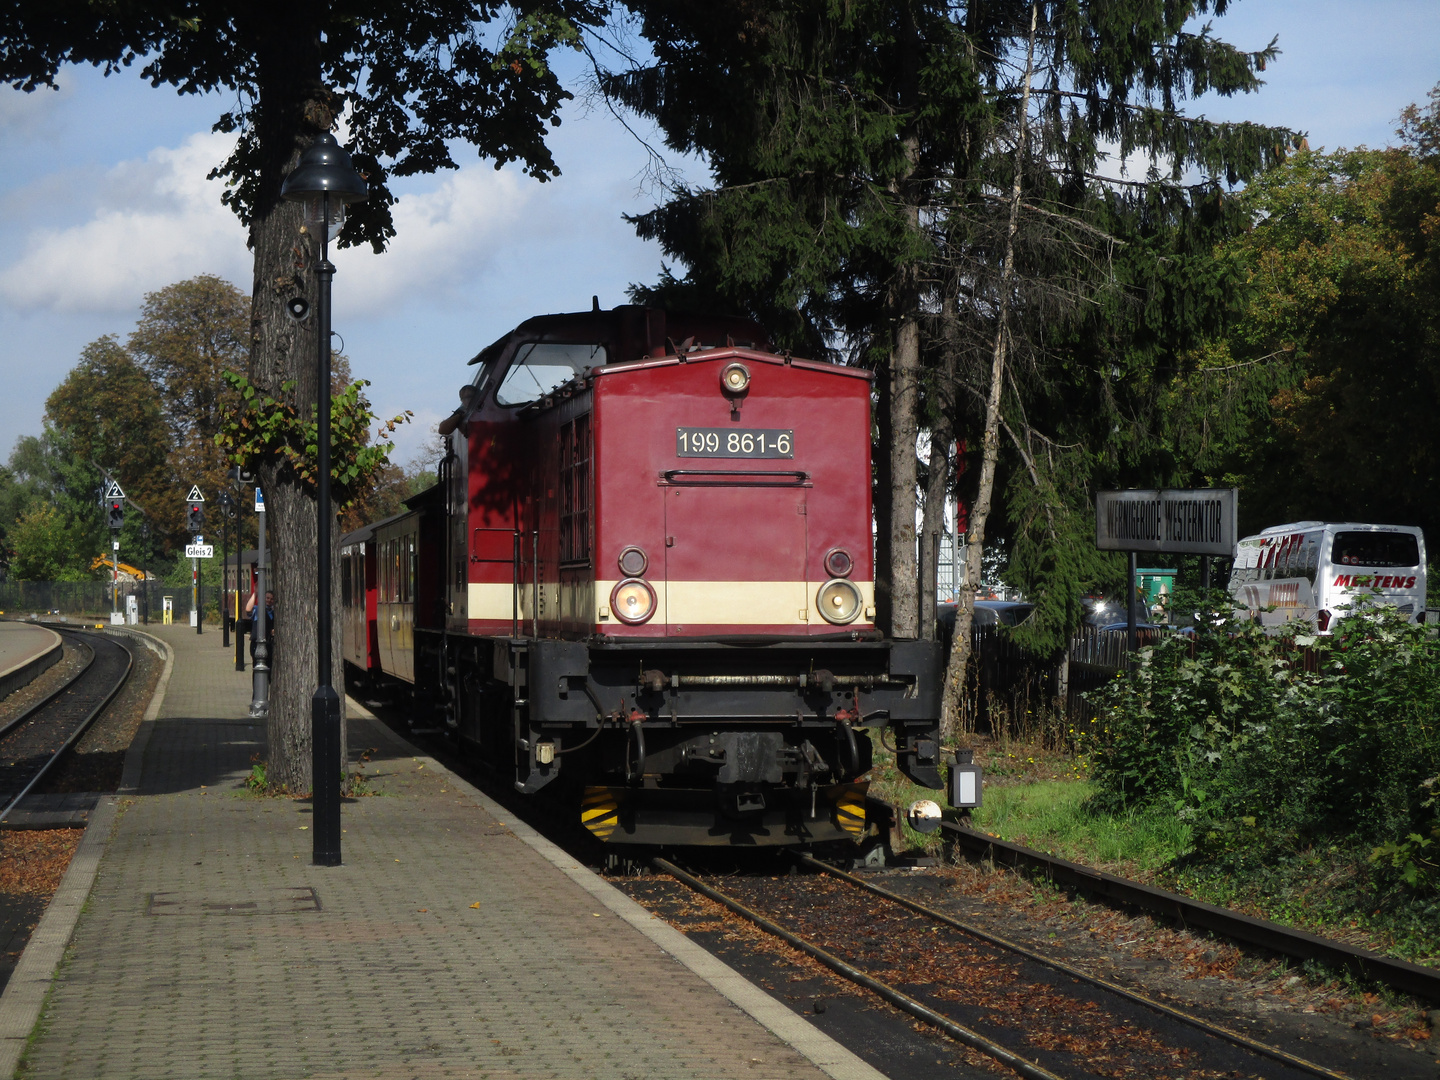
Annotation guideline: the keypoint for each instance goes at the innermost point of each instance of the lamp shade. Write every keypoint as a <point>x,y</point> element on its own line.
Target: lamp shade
<point>324,168</point>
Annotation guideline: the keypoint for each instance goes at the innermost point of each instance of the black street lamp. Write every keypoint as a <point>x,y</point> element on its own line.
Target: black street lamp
<point>227,504</point>
<point>325,181</point>
<point>145,570</point>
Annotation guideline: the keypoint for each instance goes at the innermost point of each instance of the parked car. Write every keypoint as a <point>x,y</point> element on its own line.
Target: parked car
<point>987,613</point>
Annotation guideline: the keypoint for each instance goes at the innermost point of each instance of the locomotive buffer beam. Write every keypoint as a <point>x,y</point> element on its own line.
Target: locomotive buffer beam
<point>824,681</point>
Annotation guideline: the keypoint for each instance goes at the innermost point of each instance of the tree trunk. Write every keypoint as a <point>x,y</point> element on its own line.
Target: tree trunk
<point>990,445</point>
<point>904,428</point>
<point>904,375</point>
<point>883,492</point>
<point>293,109</point>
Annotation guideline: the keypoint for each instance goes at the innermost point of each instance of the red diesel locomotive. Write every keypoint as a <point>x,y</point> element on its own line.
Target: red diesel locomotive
<point>645,581</point>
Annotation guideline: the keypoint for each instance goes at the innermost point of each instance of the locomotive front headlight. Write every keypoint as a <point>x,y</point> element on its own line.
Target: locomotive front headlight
<point>735,378</point>
<point>838,563</point>
<point>633,601</point>
<point>839,601</point>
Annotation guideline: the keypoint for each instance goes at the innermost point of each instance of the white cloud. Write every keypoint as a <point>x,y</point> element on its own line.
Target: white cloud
<point>152,222</point>
<point>442,236</point>
<point>24,115</point>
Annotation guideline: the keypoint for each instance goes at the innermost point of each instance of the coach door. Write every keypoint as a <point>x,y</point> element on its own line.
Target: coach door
<point>734,554</point>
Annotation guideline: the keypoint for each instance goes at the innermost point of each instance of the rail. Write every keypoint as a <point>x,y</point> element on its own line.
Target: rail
<point>105,695</point>
<point>959,1032</point>
<point>1402,975</point>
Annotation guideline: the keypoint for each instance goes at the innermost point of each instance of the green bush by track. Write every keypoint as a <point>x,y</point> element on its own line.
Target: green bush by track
<point>1273,746</point>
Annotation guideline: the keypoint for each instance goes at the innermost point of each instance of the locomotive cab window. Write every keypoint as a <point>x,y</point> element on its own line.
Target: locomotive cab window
<point>540,367</point>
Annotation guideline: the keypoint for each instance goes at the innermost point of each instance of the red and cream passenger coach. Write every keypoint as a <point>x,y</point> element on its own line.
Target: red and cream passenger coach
<point>646,581</point>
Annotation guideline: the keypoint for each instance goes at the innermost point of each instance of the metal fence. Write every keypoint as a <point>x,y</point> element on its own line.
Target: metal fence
<point>93,598</point>
<point>1012,692</point>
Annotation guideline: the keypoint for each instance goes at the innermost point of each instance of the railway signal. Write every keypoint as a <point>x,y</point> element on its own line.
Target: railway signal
<point>115,513</point>
<point>195,519</point>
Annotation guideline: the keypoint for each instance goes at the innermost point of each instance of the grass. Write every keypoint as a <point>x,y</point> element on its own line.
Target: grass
<point>1050,815</point>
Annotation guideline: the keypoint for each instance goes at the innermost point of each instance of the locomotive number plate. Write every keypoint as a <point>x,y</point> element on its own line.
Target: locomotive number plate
<point>735,442</point>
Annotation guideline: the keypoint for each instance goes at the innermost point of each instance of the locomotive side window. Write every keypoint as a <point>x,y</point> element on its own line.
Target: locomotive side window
<point>540,367</point>
<point>575,491</point>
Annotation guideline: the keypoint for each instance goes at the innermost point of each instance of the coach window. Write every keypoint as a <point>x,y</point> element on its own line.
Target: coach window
<point>540,367</point>
<point>409,567</point>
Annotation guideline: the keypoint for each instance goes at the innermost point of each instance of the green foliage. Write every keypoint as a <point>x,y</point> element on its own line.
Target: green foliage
<point>268,430</point>
<point>49,546</point>
<point>1342,288</point>
<point>1053,817</point>
<point>857,153</point>
<point>413,79</point>
<point>44,473</point>
<point>1271,744</point>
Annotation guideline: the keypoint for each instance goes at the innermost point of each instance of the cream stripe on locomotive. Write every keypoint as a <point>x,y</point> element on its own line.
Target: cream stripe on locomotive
<point>682,603</point>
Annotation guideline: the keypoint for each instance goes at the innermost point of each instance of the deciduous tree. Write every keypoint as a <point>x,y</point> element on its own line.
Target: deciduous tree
<point>1342,279</point>
<point>411,80</point>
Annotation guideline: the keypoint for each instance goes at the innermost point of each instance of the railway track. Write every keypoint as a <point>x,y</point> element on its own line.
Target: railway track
<point>1423,982</point>
<point>1038,1016</point>
<point>34,741</point>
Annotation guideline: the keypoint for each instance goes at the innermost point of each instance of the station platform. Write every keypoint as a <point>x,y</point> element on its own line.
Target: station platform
<point>26,650</point>
<point>193,938</point>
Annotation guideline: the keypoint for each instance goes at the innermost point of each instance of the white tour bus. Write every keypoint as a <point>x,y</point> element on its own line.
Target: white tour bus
<point>1315,570</point>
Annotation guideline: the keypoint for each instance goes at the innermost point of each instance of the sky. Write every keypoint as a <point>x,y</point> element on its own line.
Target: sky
<point>103,198</point>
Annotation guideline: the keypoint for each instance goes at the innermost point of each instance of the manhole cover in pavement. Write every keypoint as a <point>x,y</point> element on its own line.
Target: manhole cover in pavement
<point>272,902</point>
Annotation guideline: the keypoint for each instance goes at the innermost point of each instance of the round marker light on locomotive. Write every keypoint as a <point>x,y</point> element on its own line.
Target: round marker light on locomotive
<point>633,562</point>
<point>839,601</point>
<point>735,378</point>
<point>621,598</point>
<point>633,601</point>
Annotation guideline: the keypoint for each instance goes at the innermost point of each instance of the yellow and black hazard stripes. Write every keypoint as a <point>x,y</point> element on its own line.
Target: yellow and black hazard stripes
<point>848,801</point>
<point>600,811</point>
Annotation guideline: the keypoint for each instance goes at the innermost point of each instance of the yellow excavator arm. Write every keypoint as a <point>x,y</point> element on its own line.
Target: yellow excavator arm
<point>132,572</point>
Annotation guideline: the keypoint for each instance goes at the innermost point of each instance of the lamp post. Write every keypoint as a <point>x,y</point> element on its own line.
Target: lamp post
<point>239,477</point>
<point>227,504</point>
<point>145,570</point>
<point>325,180</point>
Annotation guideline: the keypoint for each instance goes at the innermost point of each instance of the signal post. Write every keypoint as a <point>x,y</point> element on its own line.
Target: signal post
<point>115,518</point>
<point>194,522</point>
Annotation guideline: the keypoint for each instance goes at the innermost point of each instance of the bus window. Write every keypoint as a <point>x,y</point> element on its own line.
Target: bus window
<point>1375,549</point>
<point>1312,556</point>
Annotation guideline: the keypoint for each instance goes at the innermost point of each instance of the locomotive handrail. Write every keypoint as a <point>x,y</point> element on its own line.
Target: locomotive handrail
<point>754,477</point>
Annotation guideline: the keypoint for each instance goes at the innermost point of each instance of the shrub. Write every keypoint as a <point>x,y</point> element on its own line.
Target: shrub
<point>1273,743</point>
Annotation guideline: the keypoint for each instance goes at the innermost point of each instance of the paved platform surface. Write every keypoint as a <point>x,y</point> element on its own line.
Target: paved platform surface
<point>21,645</point>
<point>447,945</point>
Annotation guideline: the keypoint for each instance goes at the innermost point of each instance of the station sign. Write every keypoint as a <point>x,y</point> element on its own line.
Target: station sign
<point>199,551</point>
<point>1195,521</point>
<point>259,500</point>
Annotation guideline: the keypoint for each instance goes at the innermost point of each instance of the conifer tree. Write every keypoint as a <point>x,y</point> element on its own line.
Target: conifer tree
<point>865,160</point>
